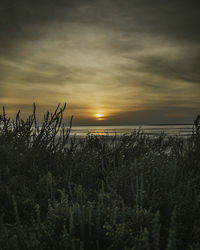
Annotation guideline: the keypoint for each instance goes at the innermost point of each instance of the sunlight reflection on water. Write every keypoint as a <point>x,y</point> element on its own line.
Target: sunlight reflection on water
<point>153,130</point>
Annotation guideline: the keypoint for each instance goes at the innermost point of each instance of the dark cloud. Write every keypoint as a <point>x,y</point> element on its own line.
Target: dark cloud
<point>126,55</point>
<point>185,67</point>
<point>179,19</point>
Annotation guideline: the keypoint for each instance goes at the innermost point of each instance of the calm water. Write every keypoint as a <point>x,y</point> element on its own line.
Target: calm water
<point>153,130</point>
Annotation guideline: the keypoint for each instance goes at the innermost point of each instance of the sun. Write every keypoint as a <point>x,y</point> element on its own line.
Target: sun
<point>99,115</point>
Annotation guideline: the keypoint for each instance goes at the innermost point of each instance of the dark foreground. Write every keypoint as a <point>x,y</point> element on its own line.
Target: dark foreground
<point>126,193</point>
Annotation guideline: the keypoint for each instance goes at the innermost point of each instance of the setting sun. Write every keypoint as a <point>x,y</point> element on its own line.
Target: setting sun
<point>99,115</point>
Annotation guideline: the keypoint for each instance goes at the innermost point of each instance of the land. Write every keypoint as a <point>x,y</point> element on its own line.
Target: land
<point>129,192</point>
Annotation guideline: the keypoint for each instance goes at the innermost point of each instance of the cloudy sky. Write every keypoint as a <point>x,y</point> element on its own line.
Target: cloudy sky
<point>112,61</point>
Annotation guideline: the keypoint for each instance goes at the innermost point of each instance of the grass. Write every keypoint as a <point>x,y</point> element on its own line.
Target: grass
<point>131,192</point>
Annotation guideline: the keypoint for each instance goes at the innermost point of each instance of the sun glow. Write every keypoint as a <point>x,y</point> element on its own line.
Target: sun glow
<point>99,115</point>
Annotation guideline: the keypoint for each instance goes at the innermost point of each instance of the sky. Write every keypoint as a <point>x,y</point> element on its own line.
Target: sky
<point>114,62</point>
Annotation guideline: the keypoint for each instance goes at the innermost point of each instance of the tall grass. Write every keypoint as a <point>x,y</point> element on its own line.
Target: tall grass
<point>131,192</point>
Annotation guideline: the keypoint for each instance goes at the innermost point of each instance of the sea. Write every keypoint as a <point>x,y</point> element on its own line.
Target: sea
<point>151,130</point>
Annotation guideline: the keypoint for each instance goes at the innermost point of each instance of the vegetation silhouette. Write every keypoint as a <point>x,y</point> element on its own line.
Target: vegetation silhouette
<point>131,192</point>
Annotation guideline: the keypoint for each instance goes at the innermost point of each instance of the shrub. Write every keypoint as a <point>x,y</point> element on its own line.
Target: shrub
<point>131,192</point>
